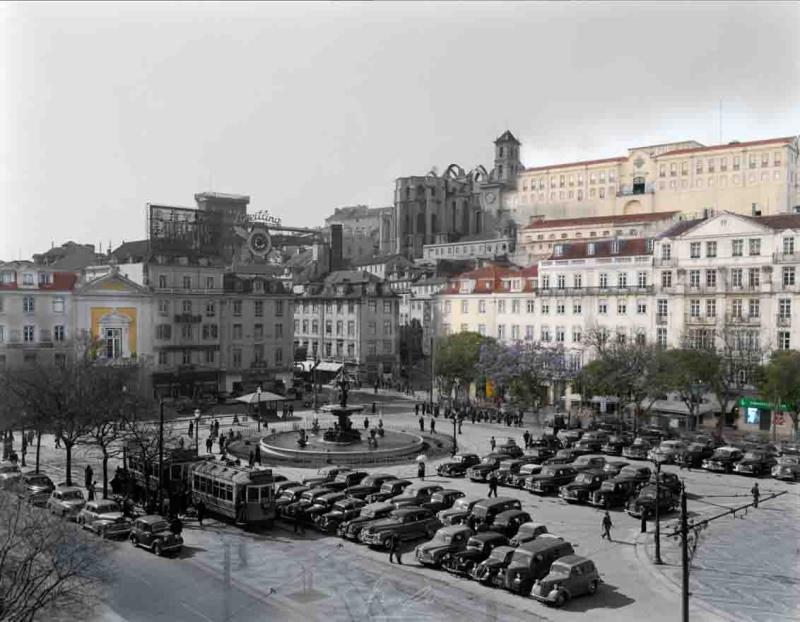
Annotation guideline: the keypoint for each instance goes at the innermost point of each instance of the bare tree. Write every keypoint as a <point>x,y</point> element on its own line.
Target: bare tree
<point>46,563</point>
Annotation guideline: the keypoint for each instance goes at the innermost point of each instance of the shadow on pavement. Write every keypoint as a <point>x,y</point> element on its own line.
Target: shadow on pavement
<point>607,597</point>
<point>187,552</point>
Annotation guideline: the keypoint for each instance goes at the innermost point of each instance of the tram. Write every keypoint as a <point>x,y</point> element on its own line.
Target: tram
<point>244,495</point>
<point>142,476</point>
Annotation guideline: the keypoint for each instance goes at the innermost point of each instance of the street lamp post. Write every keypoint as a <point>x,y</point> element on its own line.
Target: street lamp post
<point>258,407</point>
<point>455,441</point>
<point>658,514</point>
<point>161,455</point>
<point>197,431</point>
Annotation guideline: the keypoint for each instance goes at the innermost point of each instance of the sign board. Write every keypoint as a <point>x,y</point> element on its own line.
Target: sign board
<point>752,402</point>
<point>674,423</point>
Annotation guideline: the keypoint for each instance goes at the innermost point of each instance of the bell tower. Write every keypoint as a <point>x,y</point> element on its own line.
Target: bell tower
<point>506,159</point>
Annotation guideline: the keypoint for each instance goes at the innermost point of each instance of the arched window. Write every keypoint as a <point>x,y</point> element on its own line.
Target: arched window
<point>478,221</point>
<point>420,223</point>
<point>434,224</point>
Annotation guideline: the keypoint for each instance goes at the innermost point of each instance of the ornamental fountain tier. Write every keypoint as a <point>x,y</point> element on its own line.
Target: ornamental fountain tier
<point>343,431</point>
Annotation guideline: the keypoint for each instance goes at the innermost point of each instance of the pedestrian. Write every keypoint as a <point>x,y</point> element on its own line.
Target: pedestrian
<point>492,443</point>
<point>394,549</point>
<point>191,428</point>
<point>176,526</point>
<point>88,472</point>
<point>644,521</point>
<point>200,507</point>
<point>90,487</point>
<point>493,484</point>
<point>58,441</point>
<point>366,423</point>
<point>433,425</point>
<point>298,522</point>
<point>756,494</point>
<point>527,438</point>
<point>421,470</point>
<point>209,444</point>
<point>606,526</point>
<point>258,454</point>
<point>459,424</point>
<point>374,408</point>
<point>251,459</point>
<point>421,423</point>
<point>416,409</point>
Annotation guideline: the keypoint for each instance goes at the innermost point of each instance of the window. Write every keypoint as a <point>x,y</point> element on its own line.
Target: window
<point>577,280</point>
<point>736,308</point>
<point>661,337</point>
<point>694,278</point>
<point>351,328</point>
<point>187,306</point>
<point>622,307</point>
<point>515,306</point>
<point>501,306</point>
<point>530,306</point>
<point>237,331</point>
<point>602,307</point>
<point>28,334</point>
<point>788,276</point>
<point>560,334</point>
<point>465,306</point>
<point>561,281</point>
<point>372,327</point>
<point>546,281</point>
<point>258,308</point>
<point>163,358</point>
<point>339,327</point>
<point>187,282</point>
<point>577,308</point>
<point>329,327</point>
<point>351,307</point>
<point>163,332</point>
<point>372,306</point>
<point>447,306</point>
<point>784,340</point>
<point>209,331</point>
<point>788,246</point>
<point>711,278</point>
<point>162,281</point>
<point>603,279</point>
<point>163,307</point>
<point>482,329</point>
<point>58,304</point>
<point>694,250</point>
<point>186,331</point>
<point>210,356</point>
<point>622,279</point>
<point>711,308</point>
<point>387,306</point>
<point>661,308</point>
<point>481,306</point>
<point>28,304</point>
<point>666,251</point>
<point>258,331</point>
<point>641,307</point>
<point>784,308</point>
<point>209,282</point>
<point>737,248</point>
<point>464,328</point>
<point>694,308</point>
<point>755,277</point>
<point>279,308</point>
<point>666,278</point>
<point>736,277</point>
<point>641,279</point>
<point>711,249</point>
<point>501,331</point>
<point>545,308</point>
<point>560,308</point>
<point>546,334</point>
<point>755,246</point>
<point>387,327</point>
<point>237,308</point>
<point>529,333</point>
<point>754,308</point>
<point>515,332</point>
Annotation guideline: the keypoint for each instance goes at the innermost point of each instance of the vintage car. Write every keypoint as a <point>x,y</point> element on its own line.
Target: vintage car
<point>667,452</point>
<point>9,474</point>
<point>450,539</point>
<point>279,488</point>
<point>369,485</point>
<point>152,532</point>
<point>527,532</point>
<point>693,455</point>
<point>563,456</point>
<point>614,492</point>
<point>525,471</point>
<point>288,496</point>
<point>594,440</point>
<point>351,529</point>
<point>755,463</point>
<point>569,576</point>
<point>486,571</point>
<point>614,445</point>
<point>442,499</point>
<point>66,501</point>
<point>530,562</point>
<point>787,468</point>
<point>485,511</point>
<point>478,548</point>
<point>327,474</point>
<point>637,450</point>
<point>389,489</point>
<point>580,489</point>
<point>545,441</point>
<point>35,488</point>
<point>723,459</point>
<point>105,518</point>
<point>458,465</point>
<point>641,474</point>
<point>667,479</point>
<point>405,524</point>
<point>510,449</point>
<point>509,468</point>
<point>508,522</point>
<point>342,510</point>
<point>461,509</point>
<point>550,479</point>
<point>345,480</point>
<point>416,495</point>
<point>304,501</point>
<point>584,447</point>
<point>322,505</point>
<point>589,463</point>
<point>537,455</point>
<point>490,462</point>
<point>613,467</point>
<point>569,436</point>
<point>645,502</point>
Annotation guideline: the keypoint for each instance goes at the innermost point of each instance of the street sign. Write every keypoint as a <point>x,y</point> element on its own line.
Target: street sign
<point>752,402</point>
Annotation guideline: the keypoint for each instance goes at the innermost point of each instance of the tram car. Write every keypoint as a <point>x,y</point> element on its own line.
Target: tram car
<point>247,496</point>
<point>142,476</point>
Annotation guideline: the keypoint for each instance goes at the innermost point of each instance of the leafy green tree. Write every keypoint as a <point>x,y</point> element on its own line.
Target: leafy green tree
<point>688,372</point>
<point>780,381</point>
<point>456,359</point>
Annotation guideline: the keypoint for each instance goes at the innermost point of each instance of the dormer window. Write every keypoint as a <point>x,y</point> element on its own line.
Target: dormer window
<point>615,247</point>
<point>558,250</point>
<point>590,248</point>
<point>27,278</point>
<point>649,245</point>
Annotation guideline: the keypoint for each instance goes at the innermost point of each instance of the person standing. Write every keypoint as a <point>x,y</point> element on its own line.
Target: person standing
<point>606,526</point>
<point>251,459</point>
<point>191,428</point>
<point>258,455</point>
<point>201,511</point>
<point>421,471</point>
<point>493,484</point>
<point>366,423</point>
<point>416,409</point>
<point>299,526</point>
<point>209,444</point>
<point>421,423</point>
<point>433,425</point>
<point>91,488</point>
<point>756,494</point>
<point>394,549</point>
<point>492,443</point>
<point>88,473</point>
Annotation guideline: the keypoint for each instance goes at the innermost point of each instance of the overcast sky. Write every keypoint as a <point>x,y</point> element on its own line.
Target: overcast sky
<point>306,107</point>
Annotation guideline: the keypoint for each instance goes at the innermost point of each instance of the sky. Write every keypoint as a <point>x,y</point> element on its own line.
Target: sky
<point>310,106</point>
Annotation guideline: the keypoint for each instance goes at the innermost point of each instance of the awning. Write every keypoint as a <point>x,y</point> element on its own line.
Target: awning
<point>304,366</point>
<point>328,366</point>
<point>265,396</point>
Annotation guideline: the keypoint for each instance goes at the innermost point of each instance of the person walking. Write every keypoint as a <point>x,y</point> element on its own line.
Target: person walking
<point>421,471</point>
<point>258,455</point>
<point>374,407</point>
<point>299,526</point>
<point>91,489</point>
<point>394,549</point>
<point>88,473</point>
<point>251,459</point>
<point>416,409</point>
<point>493,484</point>
<point>191,428</point>
<point>209,444</point>
<point>200,506</point>
<point>492,443</point>
<point>606,526</point>
<point>433,425</point>
<point>422,424</point>
<point>366,423</point>
<point>176,526</point>
<point>756,494</point>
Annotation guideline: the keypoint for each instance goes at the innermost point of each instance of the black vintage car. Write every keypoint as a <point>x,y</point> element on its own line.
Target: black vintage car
<point>35,488</point>
<point>343,510</point>
<point>579,490</point>
<point>327,474</point>
<point>494,565</point>
<point>490,462</point>
<point>458,465</point>
<point>351,529</point>
<point>668,480</point>
<point>538,455</point>
<point>416,495</point>
<point>550,479</point>
<point>756,463</point>
<point>723,459</point>
<point>152,532</point>
<point>508,522</point>
<point>288,496</point>
<point>389,489</point>
<point>563,456</point>
<point>645,502</point>
<point>449,539</point>
<point>525,471</point>
<point>509,468</point>
<point>346,480</point>
<point>614,445</point>
<point>569,437</point>
<point>613,467</point>
<point>478,549</point>
<point>694,455</point>
<point>639,473</point>
<point>615,492</point>
<point>370,484</point>
<point>545,441</point>
<point>323,505</point>
<point>638,450</point>
<point>442,500</point>
<point>304,501</point>
<point>590,462</point>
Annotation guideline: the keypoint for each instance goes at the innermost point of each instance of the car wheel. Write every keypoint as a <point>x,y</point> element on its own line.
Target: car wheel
<point>592,587</point>
<point>157,549</point>
<point>387,542</point>
<point>561,598</point>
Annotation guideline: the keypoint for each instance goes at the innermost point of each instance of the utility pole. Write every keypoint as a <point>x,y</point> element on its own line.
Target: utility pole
<point>161,455</point>
<point>431,389</point>
<point>684,555</point>
<point>658,514</point>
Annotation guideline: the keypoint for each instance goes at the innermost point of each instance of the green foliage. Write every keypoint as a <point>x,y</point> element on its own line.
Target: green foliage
<point>456,359</point>
<point>780,380</point>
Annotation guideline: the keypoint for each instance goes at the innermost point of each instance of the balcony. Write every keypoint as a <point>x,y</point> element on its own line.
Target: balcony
<point>744,320</point>
<point>785,258</point>
<point>669,262</point>
<point>784,320</point>
<point>188,318</point>
<point>700,320</point>
<point>594,291</point>
<point>662,320</point>
<point>636,189</point>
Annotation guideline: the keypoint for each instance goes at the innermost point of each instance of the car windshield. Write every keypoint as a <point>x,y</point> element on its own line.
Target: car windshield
<point>507,464</point>
<point>723,453</point>
<point>498,554</point>
<point>754,455</point>
<point>629,472</point>
<point>72,494</point>
<point>548,471</point>
<point>159,526</point>
<point>523,556</point>
<point>308,495</point>
<point>648,493</point>
<point>670,445</point>
<point>41,480</point>
<point>460,459</point>
<point>489,460</point>
<point>584,478</point>
<point>560,568</point>
<point>786,460</point>
<point>341,506</point>
<point>608,486</point>
<point>104,508</point>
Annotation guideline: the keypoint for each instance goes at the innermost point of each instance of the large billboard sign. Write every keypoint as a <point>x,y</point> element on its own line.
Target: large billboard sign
<point>179,228</point>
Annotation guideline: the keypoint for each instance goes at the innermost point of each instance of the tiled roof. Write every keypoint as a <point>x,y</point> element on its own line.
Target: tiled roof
<point>596,220</point>
<point>679,228</point>
<point>62,282</point>
<point>779,222</point>
<point>137,251</point>
<point>490,279</point>
<point>506,137</point>
<point>732,145</point>
<point>602,248</point>
<point>571,164</point>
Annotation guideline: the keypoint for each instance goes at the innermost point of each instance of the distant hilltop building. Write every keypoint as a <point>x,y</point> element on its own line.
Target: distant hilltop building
<point>366,231</point>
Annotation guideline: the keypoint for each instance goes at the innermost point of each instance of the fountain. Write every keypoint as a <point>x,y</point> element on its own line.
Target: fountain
<point>342,431</point>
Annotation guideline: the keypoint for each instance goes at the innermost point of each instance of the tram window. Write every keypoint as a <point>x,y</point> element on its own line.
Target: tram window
<point>252,494</point>
<point>215,489</point>
<point>229,492</point>
<point>196,480</point>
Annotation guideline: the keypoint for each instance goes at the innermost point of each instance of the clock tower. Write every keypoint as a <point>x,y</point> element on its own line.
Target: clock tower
<point>506,160</point>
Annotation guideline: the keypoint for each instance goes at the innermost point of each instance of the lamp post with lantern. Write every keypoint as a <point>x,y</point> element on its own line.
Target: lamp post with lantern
<point>258,407</point>
<point>197,431</point>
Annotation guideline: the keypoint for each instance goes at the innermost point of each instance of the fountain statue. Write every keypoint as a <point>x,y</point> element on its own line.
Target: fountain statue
<point>343,431</point>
